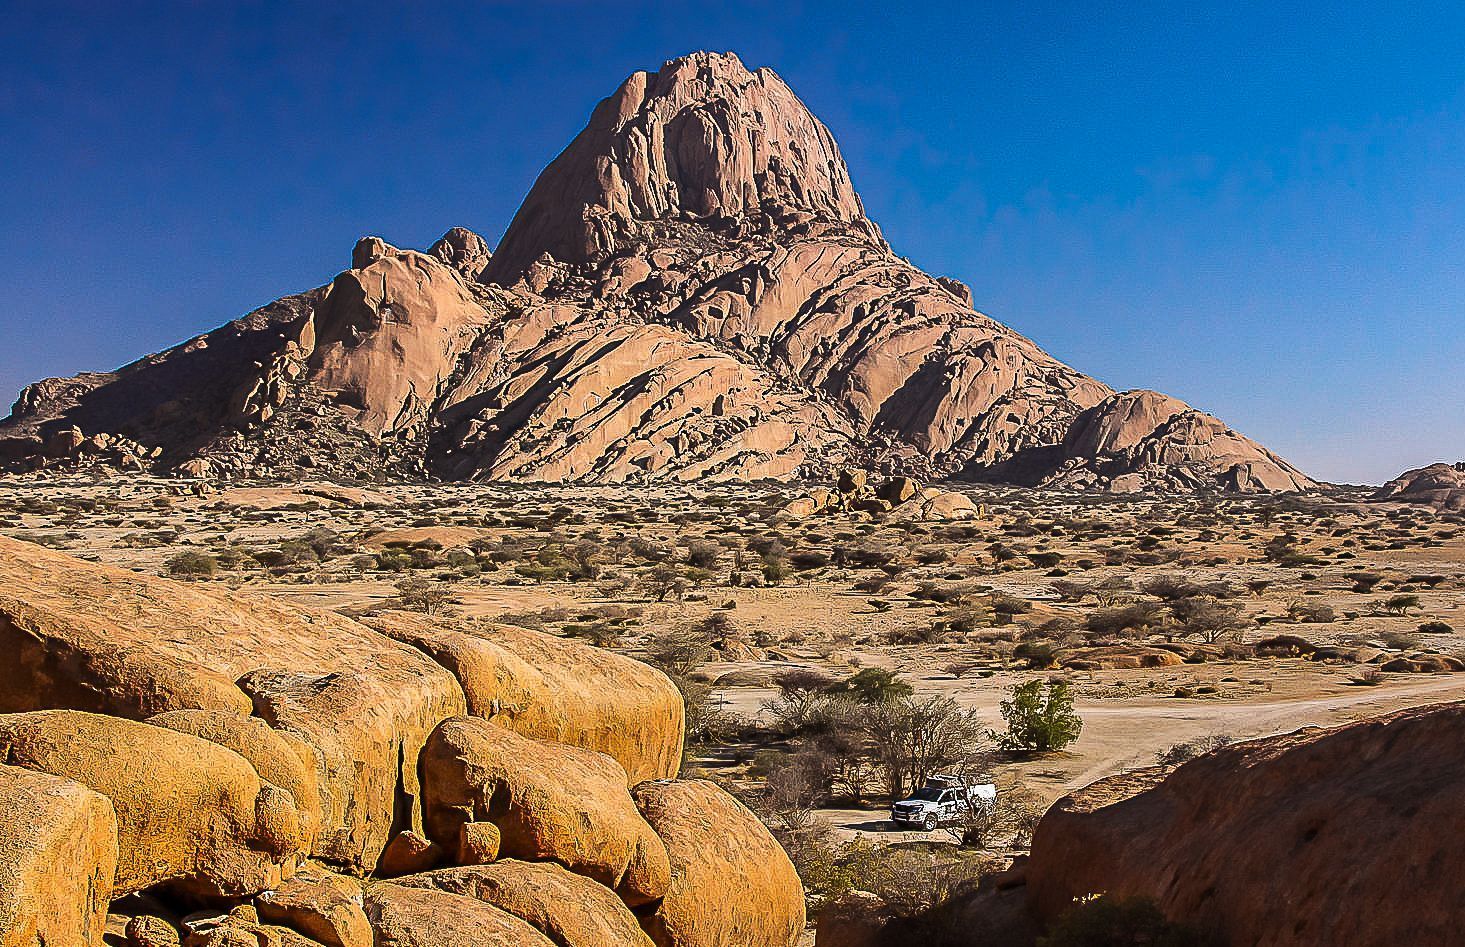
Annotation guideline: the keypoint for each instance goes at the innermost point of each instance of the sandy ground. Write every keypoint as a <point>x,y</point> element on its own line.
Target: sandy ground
<point>816,619</point>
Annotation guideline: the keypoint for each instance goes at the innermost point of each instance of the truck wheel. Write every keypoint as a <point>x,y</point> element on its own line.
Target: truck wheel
<point>930,823</point>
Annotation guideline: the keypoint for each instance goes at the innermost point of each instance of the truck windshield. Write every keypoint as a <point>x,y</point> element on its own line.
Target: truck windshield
<point>926,794</point>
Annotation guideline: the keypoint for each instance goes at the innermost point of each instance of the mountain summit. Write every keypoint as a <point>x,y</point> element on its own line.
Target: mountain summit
<point>690,290</point>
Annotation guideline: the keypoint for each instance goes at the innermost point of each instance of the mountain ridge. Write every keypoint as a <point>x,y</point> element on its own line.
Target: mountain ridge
<point>690,290</point>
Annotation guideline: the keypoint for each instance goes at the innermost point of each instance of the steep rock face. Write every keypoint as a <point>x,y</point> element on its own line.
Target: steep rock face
<point>900,353</point>
<point>691,290</point>
<point>388,332</point>
<point>703,138</point>
<point>1342,836</point>
<point>596,401</point>
<point>1441,486</point>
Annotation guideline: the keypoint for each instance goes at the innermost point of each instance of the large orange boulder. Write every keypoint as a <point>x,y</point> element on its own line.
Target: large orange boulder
<point>1345,836</point>
<point>549,801</point>
<point>188,811</point>
<point>58,857</point>
<point>732,883</point>
<point>425,917</point>
<point>571,910</point>
<point>325,907</point>
<point>279,757</point>
<point>83,636</point>
<point>546,687</point>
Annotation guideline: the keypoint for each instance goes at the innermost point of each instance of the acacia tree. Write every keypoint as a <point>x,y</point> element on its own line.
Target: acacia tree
<point>1209,618</point>
<point>911,738</point>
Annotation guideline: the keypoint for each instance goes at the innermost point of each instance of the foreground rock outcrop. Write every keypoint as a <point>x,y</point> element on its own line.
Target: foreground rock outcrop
<point>1342,836</point>
<point>316,782</point>
<point>98,639</point>
<point>691,290</point>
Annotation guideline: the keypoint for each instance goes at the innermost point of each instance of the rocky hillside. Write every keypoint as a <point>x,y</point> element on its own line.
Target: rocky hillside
<point>1340,836</point>
<point>1441,486</point>
<point>181,763</point>
<point>691,290</point>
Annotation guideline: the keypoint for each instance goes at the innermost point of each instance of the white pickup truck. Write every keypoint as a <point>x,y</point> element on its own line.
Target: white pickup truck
<point>943,800</point>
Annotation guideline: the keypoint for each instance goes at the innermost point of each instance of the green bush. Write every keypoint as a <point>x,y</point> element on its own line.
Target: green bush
<point>1039,721</point>
<point>872,686</point>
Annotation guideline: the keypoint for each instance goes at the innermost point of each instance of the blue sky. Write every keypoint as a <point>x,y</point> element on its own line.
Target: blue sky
<point>1256,207</point>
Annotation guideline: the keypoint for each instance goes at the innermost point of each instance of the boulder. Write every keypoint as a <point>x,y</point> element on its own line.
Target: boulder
<point>1105,657</point>
<point>1343,836</point>
<point>424,917</point>
<point>58,859</point>
<point>897,490</point>
<point>323,906</point>
<point>549,801</point>
<point>852,480</point>
<point>549,688</point>
<point>407,854</point>
<point>946,505</point>
<point>91,637</point>
<point>569,909</point>
<point>235,931</point>
<point>189,812</point>
<point>147,930</point>
<point>732,883</point>
<point>279,757</point>
<point>799,508</point>
<point>478,843</point>
<point>463,250</point>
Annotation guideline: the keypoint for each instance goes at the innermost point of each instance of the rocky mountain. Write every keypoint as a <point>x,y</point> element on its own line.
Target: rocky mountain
<point>690,290</point>
<point>1441,486</point>
<point>1316,837</point>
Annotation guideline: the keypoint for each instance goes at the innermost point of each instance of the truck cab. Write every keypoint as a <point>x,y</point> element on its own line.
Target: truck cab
<point>942,801</point>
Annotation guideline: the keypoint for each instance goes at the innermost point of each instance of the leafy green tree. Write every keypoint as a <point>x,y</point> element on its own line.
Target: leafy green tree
<point>1039,720</point>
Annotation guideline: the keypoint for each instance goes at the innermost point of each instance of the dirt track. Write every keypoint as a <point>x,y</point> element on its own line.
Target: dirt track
<point>1125,735</point>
